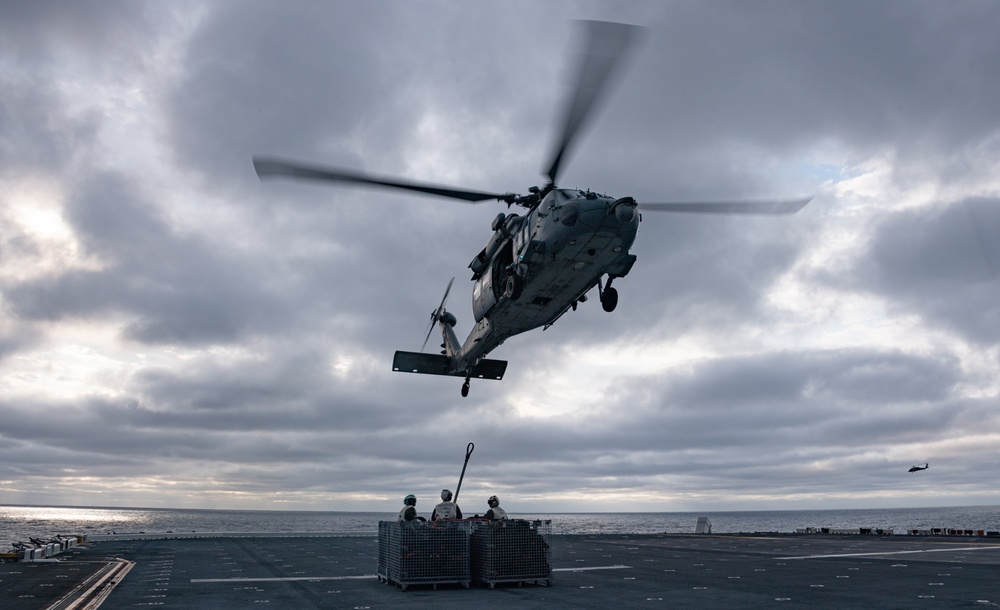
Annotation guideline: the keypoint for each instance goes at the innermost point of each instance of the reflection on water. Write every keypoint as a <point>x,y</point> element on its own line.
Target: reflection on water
<point>23,522</point>
<point>66,514</point>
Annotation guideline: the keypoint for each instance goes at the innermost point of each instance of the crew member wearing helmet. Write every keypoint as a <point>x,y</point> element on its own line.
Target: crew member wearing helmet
<point>409,512</point>
<point>446,509</point>
<point>495,512</point>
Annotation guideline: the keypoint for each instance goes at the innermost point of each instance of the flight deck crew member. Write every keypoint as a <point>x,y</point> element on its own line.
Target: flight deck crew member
<point>495,512</point>
<point>409,512</point>
<point>446,509</point>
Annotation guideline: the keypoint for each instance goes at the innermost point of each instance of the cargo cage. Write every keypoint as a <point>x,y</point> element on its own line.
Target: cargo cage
<point>513,550</point>
<point>459,552</point>
<point>419,553</point>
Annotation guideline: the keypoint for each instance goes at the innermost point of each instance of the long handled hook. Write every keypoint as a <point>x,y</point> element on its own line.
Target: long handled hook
<point>468,454</point>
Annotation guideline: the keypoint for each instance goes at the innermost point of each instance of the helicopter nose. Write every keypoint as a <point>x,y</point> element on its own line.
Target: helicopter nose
<point>624,209</point>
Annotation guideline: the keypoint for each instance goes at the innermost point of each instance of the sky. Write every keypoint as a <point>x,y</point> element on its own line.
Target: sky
<point>175,332</point>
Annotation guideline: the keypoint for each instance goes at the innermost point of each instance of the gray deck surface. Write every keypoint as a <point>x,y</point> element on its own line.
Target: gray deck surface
<point>610,571</point>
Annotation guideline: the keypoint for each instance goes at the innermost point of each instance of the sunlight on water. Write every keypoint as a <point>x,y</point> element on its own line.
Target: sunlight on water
<point>66,514</point>
<point>18,523</point>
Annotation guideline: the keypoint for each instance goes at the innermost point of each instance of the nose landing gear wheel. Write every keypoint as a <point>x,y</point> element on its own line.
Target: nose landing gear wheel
<point>465,388</point>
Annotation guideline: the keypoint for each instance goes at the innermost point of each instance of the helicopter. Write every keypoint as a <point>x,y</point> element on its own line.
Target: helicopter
<point>919,468</point>
<point>543,262</point>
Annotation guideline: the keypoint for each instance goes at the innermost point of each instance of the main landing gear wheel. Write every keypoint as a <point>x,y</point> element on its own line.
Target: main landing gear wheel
<point>465,388</point>
<point>609,299</point>
<point>513,287</point>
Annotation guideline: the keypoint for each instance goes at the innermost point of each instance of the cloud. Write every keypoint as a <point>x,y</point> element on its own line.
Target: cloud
<point>940,263</point>
<point>174,332</point>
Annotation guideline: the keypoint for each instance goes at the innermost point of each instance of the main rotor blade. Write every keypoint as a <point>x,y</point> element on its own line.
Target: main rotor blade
<point>267,168</point>
<point>786,206</point>
<point>604,44</point>
<point>437,313</point>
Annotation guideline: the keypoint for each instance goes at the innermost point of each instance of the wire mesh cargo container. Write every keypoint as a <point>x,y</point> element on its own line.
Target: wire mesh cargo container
<point>419,553</point>
<point>512,550</point>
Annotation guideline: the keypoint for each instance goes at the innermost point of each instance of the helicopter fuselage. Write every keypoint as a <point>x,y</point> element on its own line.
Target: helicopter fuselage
<point>539,265</point>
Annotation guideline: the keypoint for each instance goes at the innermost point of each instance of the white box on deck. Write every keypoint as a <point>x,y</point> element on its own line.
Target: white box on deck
<point>704,526</point>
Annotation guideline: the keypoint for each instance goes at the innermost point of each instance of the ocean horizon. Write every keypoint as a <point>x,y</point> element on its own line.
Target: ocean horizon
<point>19,522</point>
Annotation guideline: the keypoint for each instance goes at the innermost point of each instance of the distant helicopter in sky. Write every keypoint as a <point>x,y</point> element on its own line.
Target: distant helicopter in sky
<point>541,263</point>
<point>919,468</point>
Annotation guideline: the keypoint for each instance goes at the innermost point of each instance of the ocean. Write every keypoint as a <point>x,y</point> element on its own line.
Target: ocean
<point>19,523</point>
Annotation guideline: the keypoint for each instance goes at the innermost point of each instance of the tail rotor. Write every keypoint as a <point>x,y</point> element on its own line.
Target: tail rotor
<point>436,316</point>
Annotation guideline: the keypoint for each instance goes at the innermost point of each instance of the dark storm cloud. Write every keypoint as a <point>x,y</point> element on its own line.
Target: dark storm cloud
<point>177,288</point>
<point>41,42</point>
<point>298,392</point>
<point>89,26</point>
<point>224,106</point>
<point>16,339</point>
<point>345,84</point>
<point>721,91</point>
<point>737,423</point>
<point>892,378</point>
<point>33,138</point>
<point>942,264</point>
<point>670,426</point>
<point>742,402</point>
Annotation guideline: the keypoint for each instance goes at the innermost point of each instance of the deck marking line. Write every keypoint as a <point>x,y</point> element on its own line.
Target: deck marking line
<point>968,548</point>
<point>284,579</point>
<point>614,567</point>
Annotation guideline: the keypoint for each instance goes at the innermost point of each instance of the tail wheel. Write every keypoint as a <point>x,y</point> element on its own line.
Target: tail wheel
<point>609,299</point>
<point>513,287</point>
<point>465,388</point>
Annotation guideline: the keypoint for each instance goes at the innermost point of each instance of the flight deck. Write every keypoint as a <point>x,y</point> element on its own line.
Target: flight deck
<point>588,571</point>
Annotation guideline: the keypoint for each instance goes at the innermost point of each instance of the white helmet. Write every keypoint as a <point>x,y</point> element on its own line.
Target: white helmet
<point>493,502</point>
<point>445,495</point>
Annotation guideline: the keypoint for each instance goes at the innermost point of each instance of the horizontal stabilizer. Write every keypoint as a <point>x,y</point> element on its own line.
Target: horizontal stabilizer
<point>435,364</point>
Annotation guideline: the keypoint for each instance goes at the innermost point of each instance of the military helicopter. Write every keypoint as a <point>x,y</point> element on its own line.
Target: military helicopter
<point>541,263</point>
<point>919,468</point>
